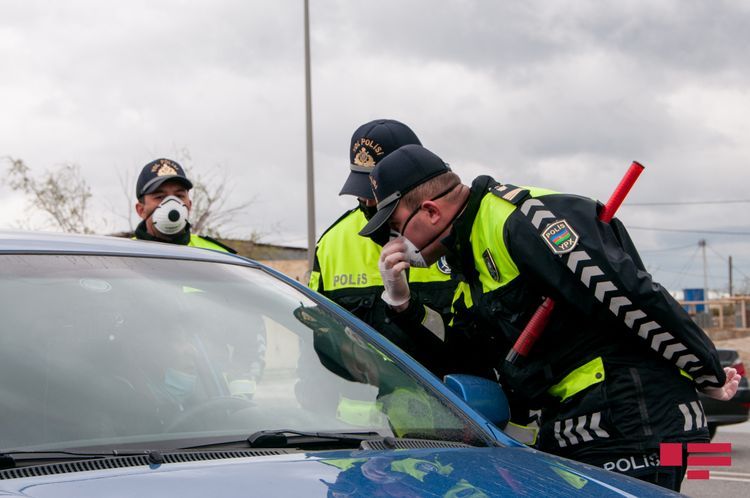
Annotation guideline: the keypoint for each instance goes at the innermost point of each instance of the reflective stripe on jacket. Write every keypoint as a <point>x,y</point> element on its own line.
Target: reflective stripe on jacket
<point>606,370</point>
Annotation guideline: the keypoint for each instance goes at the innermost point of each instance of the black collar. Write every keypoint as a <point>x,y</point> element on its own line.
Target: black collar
<point>460,256</point>
<point>182,238</point>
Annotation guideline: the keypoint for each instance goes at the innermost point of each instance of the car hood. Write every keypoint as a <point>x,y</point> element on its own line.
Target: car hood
<point>444,472</point>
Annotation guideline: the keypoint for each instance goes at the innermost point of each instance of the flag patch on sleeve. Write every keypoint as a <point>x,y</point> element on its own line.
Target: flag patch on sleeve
<point>560,237</point>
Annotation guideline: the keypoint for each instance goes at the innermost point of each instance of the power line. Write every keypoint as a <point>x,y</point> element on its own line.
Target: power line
<point>685,230</point>
<point>685,267</point>
<point>726,260</point>
<point>685,270</point>
<point>668,249</point>
<point>685,203</point>
<point>687,274</point>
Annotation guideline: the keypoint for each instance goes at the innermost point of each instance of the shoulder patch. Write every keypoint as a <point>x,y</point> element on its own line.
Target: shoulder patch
<point>442,265</point>
<point>491,266</point>
<point>560,237</point>
<point>511,193</point>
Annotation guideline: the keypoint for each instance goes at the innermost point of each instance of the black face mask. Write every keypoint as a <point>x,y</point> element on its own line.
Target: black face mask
<point>369,211</point>
<point>381,236</point>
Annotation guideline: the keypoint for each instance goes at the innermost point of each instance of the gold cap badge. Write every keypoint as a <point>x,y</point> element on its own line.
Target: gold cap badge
<point>165,167</point>
<point>363,158</point>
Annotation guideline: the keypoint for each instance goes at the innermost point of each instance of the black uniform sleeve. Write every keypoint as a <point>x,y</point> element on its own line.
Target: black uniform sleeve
<point>427,348</point>
<point>592,270</point>
<point>412,316</point>
<point>412,320</point>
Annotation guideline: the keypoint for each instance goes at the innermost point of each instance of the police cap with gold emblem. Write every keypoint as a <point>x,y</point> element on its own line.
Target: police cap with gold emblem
<point>398,174</point>
<point>157,172</point>
<point>370,143</point>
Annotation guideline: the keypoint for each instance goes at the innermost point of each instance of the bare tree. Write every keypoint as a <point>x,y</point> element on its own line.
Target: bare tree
<point>61,194</point>
<point>211,212</point>
<point>126,183</point>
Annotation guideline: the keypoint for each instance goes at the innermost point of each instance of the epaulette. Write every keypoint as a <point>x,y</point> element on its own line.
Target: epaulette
<point>511,193</point>
<point>214,241</point>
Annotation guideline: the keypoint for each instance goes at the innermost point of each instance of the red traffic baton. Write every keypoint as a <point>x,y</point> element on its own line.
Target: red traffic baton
<point>627,182</point>
<point>540,318</point>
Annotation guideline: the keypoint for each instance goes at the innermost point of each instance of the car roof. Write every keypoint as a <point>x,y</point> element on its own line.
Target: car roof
<point>23,242</point>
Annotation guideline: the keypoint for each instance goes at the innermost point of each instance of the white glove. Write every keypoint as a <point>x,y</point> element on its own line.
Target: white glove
<point>728,390</point>
<point>392,265</point>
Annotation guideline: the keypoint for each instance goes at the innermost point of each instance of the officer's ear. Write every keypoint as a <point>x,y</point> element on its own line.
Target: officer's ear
<point>433,210</point>
<point>140,208</point>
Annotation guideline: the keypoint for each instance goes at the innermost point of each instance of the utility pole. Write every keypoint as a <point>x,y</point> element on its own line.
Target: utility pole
<point>308,124</point>
<point>702,244</point>
<point>730,276</point>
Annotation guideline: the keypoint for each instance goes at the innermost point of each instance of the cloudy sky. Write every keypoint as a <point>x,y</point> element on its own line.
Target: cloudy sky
<point>560,94</point>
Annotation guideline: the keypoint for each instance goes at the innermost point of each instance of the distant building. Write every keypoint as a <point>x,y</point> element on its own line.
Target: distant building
<point>289,260</point>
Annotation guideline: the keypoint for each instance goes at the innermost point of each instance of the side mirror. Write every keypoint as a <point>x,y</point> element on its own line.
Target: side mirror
<point>483,395</point>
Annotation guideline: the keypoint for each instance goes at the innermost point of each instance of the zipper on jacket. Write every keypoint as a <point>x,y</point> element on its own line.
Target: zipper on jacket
<point>641,401</point>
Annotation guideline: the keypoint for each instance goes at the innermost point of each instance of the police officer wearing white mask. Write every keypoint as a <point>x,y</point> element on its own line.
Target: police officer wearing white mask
<point>164,206</point>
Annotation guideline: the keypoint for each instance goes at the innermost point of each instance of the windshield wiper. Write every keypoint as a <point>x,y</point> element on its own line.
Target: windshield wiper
<point>10,459</point>
<point>283,438</point>
<point>293,438</point>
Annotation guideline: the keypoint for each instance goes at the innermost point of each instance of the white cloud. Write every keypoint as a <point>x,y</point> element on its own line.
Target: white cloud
<point>558,94</point>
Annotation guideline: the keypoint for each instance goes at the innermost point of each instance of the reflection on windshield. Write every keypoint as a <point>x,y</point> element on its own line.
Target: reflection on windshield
<point>103,351</point>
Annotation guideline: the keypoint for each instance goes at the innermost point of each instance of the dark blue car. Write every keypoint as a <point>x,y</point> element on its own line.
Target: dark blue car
<point>145,369</point>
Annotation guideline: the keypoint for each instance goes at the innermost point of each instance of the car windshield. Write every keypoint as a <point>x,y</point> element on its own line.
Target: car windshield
<point>113,352</point>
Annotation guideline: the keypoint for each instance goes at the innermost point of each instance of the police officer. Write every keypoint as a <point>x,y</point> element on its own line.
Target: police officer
<point>346,265</point>
<point>617,369</point>
<point>164,205</point>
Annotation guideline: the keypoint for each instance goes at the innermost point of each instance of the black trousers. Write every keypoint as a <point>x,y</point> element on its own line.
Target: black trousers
<point>643,466</point>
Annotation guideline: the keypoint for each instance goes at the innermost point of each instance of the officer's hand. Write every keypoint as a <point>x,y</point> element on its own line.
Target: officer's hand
<point>728,390</point>
<point>392,265</point>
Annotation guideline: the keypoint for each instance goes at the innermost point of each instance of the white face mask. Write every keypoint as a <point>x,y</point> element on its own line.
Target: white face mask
<point>170,217</point>
<point>413,255</point>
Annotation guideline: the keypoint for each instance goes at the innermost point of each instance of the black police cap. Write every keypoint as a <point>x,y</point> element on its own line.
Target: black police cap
<point>157,172</point>
<point>370,143</point>
<point>398,174</point>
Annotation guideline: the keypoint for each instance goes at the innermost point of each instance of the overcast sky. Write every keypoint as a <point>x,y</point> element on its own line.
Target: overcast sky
<point>560,94</point>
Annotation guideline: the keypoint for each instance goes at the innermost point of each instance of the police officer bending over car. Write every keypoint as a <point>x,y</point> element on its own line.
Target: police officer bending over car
<point>617,369</point>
